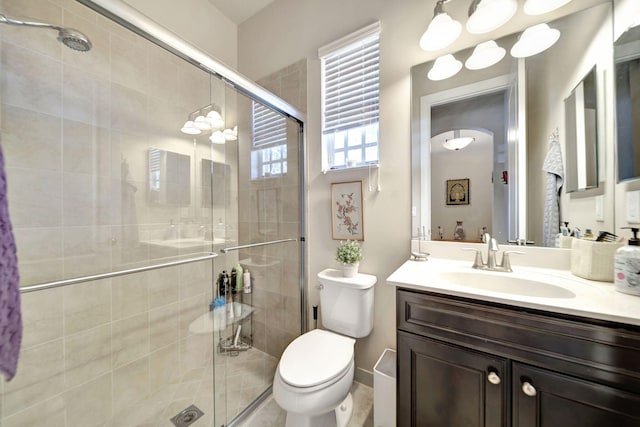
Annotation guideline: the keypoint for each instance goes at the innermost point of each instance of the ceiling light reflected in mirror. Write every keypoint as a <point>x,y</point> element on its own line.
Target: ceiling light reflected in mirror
<point>457,142</point>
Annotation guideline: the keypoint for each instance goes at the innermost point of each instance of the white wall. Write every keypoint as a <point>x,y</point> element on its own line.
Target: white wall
<point>198,22</point>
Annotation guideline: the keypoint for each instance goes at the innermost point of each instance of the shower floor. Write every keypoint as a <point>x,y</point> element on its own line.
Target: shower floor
<point>238,381</point>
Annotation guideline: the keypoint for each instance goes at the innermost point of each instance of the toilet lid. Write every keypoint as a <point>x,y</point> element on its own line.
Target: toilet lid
<point>315,358</point>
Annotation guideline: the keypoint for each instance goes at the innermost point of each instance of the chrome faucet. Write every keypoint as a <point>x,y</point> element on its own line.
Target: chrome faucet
<point>492,249</point>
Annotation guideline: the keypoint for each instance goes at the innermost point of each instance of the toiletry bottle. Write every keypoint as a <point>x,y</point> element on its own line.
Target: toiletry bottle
<point>246,281</point>
<point>627,266</point>
<point>239,277</point>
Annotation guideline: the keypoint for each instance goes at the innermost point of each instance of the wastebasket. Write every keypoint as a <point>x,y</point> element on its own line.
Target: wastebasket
<point>384,390</point>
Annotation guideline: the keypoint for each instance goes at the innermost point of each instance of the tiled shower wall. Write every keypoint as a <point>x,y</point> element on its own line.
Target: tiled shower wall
<point>119,351</point>
<point>275,269</point>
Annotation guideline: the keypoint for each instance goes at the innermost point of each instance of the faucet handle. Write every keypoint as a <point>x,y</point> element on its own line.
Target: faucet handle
<point>506,260</point>
<point>477,262</point>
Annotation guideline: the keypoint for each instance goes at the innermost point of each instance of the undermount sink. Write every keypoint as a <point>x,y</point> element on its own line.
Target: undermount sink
<point>506,283</point>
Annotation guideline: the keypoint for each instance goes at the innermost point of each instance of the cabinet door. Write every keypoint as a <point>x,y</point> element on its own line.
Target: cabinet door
<point>549,399</point>
<point>445,385</point>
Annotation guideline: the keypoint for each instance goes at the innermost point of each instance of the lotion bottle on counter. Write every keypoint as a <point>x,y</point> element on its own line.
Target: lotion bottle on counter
<point>627,266</point>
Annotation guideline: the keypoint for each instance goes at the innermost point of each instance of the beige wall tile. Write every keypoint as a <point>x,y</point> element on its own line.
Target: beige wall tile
<point>129,295</point>
<point>42,321</point>
<point>130,339</point>
<point>86,306</point>
<point>164,364</point>
<point>31,139</point>
<point>131,384</point>
<point>31,80</point>
<point>128,110</point>
<point>87,250</point>
<point>86,97</point>
<point>89,404</point>
<point>41,206</point>
<point>86,149</point>
<point>40,375</point>
<point>163,286</point>
<point>41,41</point>
<point>50,413</point>
<point>87,355</point>
<point>164,328</point>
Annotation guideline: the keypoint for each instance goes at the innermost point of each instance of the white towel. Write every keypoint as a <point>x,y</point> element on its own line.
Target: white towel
<point>555,178</point>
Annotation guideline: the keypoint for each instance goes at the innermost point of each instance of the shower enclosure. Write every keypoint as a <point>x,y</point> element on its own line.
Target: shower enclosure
<point>138,172</point>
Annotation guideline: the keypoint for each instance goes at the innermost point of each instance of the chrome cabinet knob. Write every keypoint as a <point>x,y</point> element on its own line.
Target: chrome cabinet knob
<point>493,378</point>
<point>528,389</point>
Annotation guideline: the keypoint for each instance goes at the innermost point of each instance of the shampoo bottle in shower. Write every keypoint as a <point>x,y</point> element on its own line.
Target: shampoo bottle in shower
<point>246,281</point>
<point>239,277</point>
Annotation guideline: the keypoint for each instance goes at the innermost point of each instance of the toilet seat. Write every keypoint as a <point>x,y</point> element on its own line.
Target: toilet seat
<point>315,358</point>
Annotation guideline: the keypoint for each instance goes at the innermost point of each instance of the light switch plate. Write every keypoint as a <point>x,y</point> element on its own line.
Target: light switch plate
<point>633,206</point>
<point>600,208</point>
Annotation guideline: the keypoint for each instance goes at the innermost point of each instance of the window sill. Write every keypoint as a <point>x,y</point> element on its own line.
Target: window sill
<point>352,168</point>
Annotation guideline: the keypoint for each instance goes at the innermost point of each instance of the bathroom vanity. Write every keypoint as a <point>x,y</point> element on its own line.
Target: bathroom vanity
<point>483,356</point>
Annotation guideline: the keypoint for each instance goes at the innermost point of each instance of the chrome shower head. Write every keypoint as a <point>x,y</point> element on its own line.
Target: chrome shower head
<point>74,39</point>
<point>71,38</point>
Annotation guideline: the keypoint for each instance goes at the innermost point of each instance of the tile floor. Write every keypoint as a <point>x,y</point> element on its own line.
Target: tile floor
<point>269,414</point>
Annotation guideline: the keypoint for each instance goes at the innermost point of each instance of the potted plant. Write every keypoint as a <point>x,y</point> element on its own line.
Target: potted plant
<point>349,254</point>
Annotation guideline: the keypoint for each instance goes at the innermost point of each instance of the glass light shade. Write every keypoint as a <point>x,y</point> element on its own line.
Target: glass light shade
<point>444,67</point>
<point>217,137</point>
<point>231,134</point>
<point>202,123</point>
<point>190,129</point>
<point>539,7</point>
<point>485,55</point>
<point>491,14</point>
<point>215,119</point>
<point>458,143</point>
<point>441,32</point>
<point>534,40</point>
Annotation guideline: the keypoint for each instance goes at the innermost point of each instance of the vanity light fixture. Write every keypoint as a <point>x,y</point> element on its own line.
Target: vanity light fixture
<point>539,7</point>
<point>231,134</point>
<point>205,119</point>
<point>485,55</point>
<point>444,67</point>
<point>457,142</point>
<point>190,128</point>
<point>215,119</point>
<point>442,30</point>
<point>487,15</point>
<point>534,40</point>
<point>217,137</point>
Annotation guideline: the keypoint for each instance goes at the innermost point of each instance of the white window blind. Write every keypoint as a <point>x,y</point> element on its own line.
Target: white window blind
<point>269,126</point>
<point>350,98</point>
<point>269,152</point>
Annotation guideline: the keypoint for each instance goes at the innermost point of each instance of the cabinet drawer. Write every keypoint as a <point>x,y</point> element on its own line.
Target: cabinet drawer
<point>604,352</point>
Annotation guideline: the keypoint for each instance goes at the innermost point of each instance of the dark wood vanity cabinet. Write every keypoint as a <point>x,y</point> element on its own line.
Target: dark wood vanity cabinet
<point>469,363</point>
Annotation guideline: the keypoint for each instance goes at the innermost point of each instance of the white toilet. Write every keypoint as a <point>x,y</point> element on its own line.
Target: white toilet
<point>316,370</point>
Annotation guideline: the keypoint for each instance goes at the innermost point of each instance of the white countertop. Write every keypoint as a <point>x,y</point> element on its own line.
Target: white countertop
<point>597,300</point>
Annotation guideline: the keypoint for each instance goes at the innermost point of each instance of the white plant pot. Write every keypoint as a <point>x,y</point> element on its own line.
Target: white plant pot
<point>350,270</point>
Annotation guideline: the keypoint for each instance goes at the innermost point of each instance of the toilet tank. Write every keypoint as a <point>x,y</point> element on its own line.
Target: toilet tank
<point>346,303</point>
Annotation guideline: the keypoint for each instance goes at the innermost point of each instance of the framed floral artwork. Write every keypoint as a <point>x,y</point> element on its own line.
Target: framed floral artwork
<point>458,191</point>
<point>346,210</point>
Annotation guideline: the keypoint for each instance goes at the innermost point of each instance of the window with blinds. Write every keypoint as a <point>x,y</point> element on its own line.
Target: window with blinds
<point>350,99</point>
<point>269,151</point>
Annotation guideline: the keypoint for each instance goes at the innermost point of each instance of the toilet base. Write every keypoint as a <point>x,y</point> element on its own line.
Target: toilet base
<point>339,417</point>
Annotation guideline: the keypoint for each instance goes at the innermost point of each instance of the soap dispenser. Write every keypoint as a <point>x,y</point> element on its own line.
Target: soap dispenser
<point>627,266</point>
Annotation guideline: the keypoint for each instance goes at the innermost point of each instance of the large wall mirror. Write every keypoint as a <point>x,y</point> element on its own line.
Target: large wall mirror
<point>514,109</point>
<point>627,59</point>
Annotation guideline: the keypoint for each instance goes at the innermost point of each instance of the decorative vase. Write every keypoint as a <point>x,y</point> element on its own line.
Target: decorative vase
<point>350,270</point>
